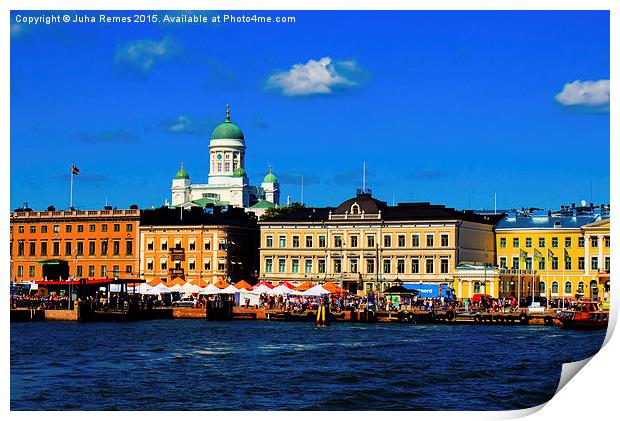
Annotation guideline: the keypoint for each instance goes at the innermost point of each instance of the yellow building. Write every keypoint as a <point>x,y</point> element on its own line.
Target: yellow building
<point>364,244</point>
<point>197,246</point>
<point>476,278</point>
<point>553,255</point>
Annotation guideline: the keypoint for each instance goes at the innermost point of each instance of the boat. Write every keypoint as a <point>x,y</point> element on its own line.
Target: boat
<point>585,315</point>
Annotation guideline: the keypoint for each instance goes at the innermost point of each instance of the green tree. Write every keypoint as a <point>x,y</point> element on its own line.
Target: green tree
<point>281,211</point>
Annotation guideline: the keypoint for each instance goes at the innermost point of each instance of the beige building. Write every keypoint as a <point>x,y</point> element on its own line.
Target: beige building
<point>364,243</point>
<point>197,246</point>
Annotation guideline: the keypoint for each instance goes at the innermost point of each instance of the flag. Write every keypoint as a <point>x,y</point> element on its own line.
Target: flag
<point>522,254</point>
<point>74,170</point>
<point>538,256</point>
<point>550,254</point>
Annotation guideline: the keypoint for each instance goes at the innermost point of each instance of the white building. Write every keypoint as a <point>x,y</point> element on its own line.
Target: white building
<point>228,183</point>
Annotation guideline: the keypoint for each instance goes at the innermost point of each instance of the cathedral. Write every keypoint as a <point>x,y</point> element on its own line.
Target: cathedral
<point>228,183</point>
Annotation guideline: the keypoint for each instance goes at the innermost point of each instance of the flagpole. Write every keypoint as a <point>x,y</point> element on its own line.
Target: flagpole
<point>71,190</point>
<point>547,283</point>
<point>563,279</point>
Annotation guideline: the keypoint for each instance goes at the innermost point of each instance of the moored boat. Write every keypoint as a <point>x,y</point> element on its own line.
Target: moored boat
<point>585,315</point>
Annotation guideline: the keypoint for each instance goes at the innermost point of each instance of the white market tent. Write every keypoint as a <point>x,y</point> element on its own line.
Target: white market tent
<point>230,289</point>
<point>282,290</point>
<point>261,289</point>
<point>316,291</point>
<point>190,288</point>
<point>209,289</point>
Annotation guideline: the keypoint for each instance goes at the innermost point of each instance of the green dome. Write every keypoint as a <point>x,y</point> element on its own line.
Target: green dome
<point>270,178</point>
<point>182,174</point>
<point>227,130</point>
<point>240,172</point>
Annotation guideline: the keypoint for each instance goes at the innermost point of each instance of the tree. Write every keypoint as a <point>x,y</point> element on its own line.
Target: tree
<point>282,211</point>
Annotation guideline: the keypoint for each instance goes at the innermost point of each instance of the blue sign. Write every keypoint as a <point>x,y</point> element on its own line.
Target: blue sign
<point>431,290</point>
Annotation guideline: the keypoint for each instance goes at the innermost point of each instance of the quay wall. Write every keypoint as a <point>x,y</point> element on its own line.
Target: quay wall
<point>63,315</point>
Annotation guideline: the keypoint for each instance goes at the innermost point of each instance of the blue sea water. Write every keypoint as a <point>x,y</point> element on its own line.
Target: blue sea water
<point>251,365</point>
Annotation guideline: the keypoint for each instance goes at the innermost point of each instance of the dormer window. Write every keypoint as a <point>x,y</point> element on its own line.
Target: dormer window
<point>355,209</point>
<point>557,224</point>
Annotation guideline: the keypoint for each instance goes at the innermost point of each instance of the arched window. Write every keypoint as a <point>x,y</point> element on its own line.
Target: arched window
<point>355,209</point>
<point>568,287</point>
<point>580,287</point>
<point>542,287</point>
<point>476,287</point>
<point>554,287</point>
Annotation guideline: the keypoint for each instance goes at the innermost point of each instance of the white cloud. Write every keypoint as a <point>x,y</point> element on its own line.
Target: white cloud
<point>183,124</point>
<point>315,77</point>
<point>588,92</point>
<point>142,54</point>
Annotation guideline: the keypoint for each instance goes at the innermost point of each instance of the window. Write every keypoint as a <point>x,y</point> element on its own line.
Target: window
<point>370,241</point>
<point>129,227</point>
<point>580,287</point>
<point>20,271</point>
<point>476,287</point>
<point>91,248</point>
<point>554,242</point>
<point>268,265</point>
<point>104,227</point>
<point>444,240</point>
<point>221,266</point>
<point>568,287</point>
<point>282,241</point>
<point>554,287</point>
<point>149,245</point>
<point>295,265</point>
<point>607,242</point>
<point>78,271</point>
<point>568,242</point>
<point>281,265</point>
<point>554,263</point>
<point>207,265</point>
<point>581,262</point>
<point>321,265</point>
<point>116,270</point>
<point>401,240</point>
<point>515,243</point>
<point>295,241</point>
<point>502,262</point>
<point>541,242</point>
<point>430,266</point>
<point>337,266</point>
<point>43,229</point>
<point>208,245</point>
<point>32,250</point>
<point>387,241</point>
<point>568,263</point>
<point>607,263</point>
<point>353,241</point>
<point>79,249</point>
<point>164,245</point>
<point>581,242</point>
<point>415,240</point>
<point>68,248</point>
<point>337,241</point>
<point>20,248</point>
<point>502,242</point>
<point>128,269</point>
<point>415,265</point>
<point>353,266</point>
<point>56,228</point>
<point>370,266</point>
<point>429,240</point>
<point>542,264</point>
<point>594,263</point>
<point>104,271</point>
<point>164,265</point>
<point>56,248</point>
<point>91,228</point>
<point>309,241</point>
<point>387,266</point>
<point>542,287</point>
<point>528,263</point>
<point>20,229</point>
<point>528,242</point>
<point>80,228</point>
<point>117,227</point>
<point>129,247</point>
<point>269,241</point>
<point>178,245</point>
<point>594,241</point>
<point>444,266</point>
<point>515,263</point>
<point>43,248</point>
<point>91,271</point>
<point>192,245</point>
<point>33,229</point>
<point>116,247</point>
<point>149,265</point>
<point>308,266</point>
<point>104,247</point>
<point>400,266</point>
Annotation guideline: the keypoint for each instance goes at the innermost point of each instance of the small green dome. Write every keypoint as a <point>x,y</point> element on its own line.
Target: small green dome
<point>182,174</point>
<point>270,178</point>
<point>240,172</point>
<point>227,130</point>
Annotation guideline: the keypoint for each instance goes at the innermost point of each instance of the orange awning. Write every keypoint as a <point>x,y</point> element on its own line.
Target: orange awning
<point>200,283</point>
<point>243,284</point>
<point>304,286</point>
<point>155,281</point>
<point>333,288</point>
<point>176,281</point>
<point>221,284</point>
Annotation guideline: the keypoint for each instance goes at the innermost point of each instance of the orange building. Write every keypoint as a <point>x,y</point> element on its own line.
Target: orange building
<point>195,245</point>
<point>78,244</point>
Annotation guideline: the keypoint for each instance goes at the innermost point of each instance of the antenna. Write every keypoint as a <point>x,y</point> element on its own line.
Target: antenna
<point>393,199</point>
<point>364,178</point>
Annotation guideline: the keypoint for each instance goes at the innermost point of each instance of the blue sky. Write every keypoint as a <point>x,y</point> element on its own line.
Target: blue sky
<point>446,107</point>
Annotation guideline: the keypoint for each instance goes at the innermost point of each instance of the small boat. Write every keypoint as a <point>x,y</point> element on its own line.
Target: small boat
<point>585,315</point>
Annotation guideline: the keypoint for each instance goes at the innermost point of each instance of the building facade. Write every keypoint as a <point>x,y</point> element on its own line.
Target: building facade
<point>555,254</point>
<point>228,182</point>
<point>365,245</point>
<point>77,244</point>
<point>195,245</point>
